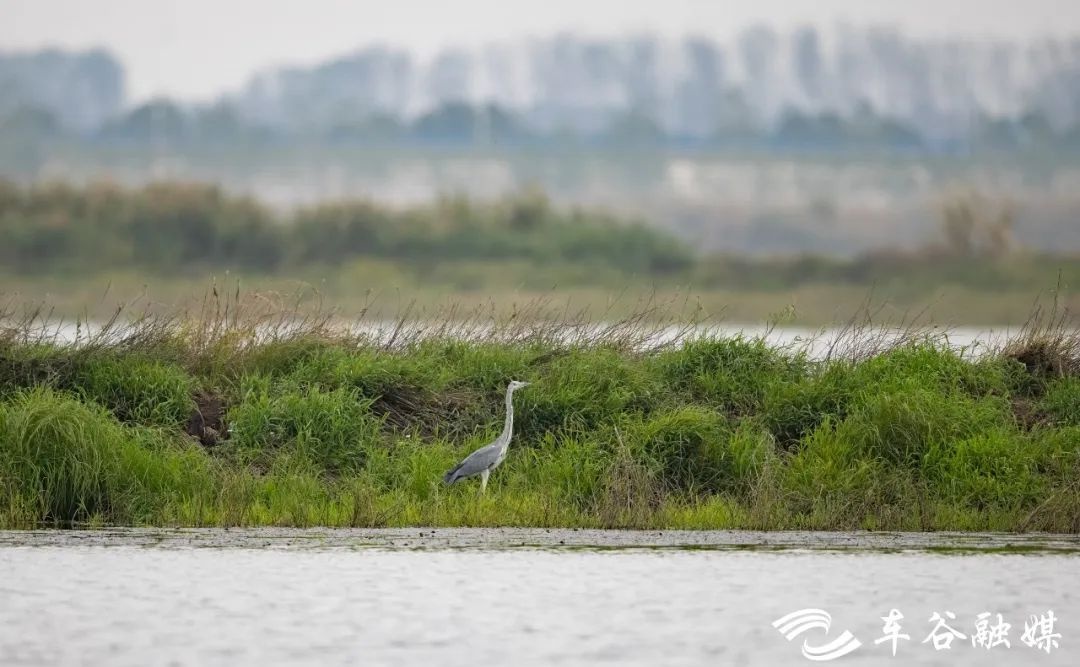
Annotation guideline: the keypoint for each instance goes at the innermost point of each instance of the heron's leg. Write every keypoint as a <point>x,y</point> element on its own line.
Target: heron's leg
<point>483,481</point>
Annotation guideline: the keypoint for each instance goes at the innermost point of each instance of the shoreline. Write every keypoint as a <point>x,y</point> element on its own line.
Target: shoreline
<point>436,538</point>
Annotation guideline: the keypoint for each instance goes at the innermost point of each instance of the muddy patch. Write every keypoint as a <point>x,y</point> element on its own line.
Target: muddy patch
<point>207,420</point>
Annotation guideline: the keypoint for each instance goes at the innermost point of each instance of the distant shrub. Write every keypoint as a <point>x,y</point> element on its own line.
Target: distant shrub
<point>172,226</point>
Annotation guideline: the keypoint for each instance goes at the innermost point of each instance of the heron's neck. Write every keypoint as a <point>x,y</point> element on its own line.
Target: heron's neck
<point>509,426</point>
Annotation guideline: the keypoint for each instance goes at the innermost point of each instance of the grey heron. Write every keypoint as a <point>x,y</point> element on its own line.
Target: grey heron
<point>487,458</point>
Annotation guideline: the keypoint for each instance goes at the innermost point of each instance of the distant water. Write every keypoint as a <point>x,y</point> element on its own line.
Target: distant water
<point>418,597</point>
<point>816,342</point>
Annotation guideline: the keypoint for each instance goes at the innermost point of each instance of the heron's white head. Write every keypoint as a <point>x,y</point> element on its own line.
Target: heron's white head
<point>517,384</point>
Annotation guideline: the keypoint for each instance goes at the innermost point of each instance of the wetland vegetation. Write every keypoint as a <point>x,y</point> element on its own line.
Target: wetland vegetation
<point>72,245</point>
<point>246,414</point>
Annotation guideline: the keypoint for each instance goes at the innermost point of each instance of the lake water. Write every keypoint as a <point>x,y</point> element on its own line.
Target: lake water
<point>511,597</point>
<point>817,343</point>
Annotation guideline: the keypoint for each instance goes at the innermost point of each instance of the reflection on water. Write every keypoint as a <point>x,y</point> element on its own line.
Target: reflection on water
<point>469,597</point>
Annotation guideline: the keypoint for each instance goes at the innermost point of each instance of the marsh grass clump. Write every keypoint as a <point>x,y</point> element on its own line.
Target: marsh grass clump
<point>246,412</point>
<point>689,447</point>
<point>34,365</point>
<point>60,454</point>
<point>143,391</point>
<point>830,480</point>
<point>901,425</point>
<point>574,466</point>
<point>72,461</point>
<point>991,468</point>
<point>631,491</point>
<point>734,374</point>
<point>935,366</point>
<point>1048,347</point>
<point>793,409</point>
<point>1061,402</point>
<point>586,388</point>
<point>333,430</point>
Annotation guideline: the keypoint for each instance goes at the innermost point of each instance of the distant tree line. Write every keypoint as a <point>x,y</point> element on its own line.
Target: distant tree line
<point>167,227</point>
<point>164,124</point>
<point>174,228</point>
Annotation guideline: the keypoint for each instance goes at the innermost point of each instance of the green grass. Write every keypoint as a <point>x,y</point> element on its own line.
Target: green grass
<point>385,289</point>
<point>264,418</point>
<point>85,248</point>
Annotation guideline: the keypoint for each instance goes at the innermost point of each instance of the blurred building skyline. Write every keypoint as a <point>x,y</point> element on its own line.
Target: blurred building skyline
<point>805,87</point>
<point>201,49</point>
<point>695,88</point>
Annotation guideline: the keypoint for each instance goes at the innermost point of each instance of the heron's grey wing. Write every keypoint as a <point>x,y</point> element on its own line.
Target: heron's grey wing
<point>474,463</point>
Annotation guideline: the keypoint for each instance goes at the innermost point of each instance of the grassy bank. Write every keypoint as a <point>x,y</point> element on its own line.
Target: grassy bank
<point>380,290</point>
<point>72,245</point>
<point>248,416</point>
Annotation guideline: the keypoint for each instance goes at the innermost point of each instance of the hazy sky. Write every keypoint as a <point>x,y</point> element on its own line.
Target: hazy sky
<point>199,48</point>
